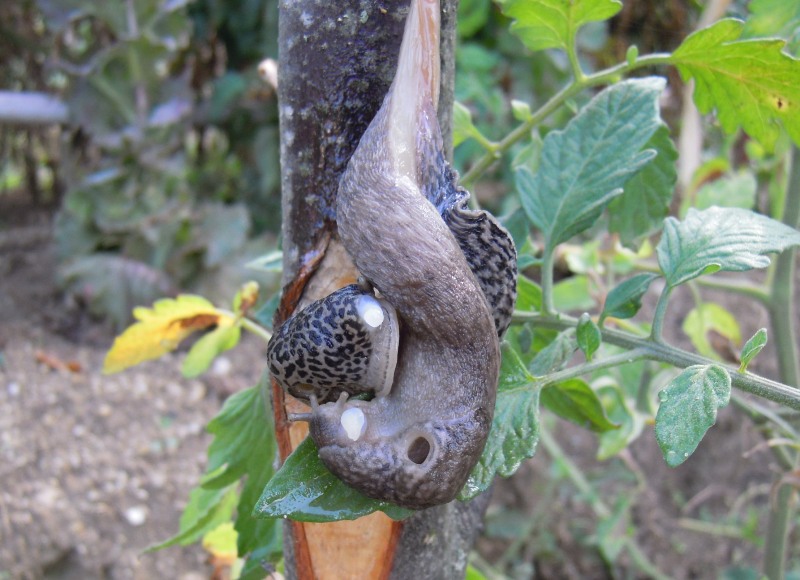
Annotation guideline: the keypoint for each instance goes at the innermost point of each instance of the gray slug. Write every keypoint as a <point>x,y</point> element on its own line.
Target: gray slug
<point>445,284</point>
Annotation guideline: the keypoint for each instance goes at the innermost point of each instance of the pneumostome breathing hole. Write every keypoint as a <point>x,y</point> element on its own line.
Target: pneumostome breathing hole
<point>419,450</point>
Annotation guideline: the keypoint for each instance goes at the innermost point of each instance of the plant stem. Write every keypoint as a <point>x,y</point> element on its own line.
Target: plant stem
<point>782,291</point>
<point>782,317</point>
<point>748,382</point>
<point>573,88</point>
<point>657,332</point>
<point>249,325</point>
<point>590,367</point>
<point>548,306</point>
<point>256,329</point>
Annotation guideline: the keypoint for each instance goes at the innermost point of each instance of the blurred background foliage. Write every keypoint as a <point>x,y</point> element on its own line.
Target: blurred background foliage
<point>167,179</point>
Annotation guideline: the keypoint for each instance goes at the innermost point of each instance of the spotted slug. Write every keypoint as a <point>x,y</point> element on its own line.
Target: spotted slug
<point>421,333</point>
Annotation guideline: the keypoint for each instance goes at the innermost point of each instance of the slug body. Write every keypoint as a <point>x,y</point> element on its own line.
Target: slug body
<point>446,280</point>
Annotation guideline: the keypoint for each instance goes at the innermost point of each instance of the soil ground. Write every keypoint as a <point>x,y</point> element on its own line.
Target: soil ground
<point>95,468</point>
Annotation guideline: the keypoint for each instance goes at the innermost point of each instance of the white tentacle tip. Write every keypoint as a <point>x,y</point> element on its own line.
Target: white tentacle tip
<point>370,311</point>
<point>354,423</point>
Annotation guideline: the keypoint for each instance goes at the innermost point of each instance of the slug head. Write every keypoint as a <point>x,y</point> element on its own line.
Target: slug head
<point>417,466</point>
<point>346,342</point>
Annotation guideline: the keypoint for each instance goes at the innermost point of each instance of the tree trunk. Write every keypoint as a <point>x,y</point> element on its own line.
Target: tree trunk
<point>337,60</point>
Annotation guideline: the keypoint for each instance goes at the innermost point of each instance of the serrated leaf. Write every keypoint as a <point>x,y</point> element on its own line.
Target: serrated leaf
<point>306,491</point>
<point>588,336</point>
<point>161,329</point>
<point>555,355</point>
<point>644,203</point>
<point>463,127</point>
<point>208,347</point>
<point>625,299</point>
<point>515,427</point>
<point>544,24</point>
<point>709,317</point>
<point>750,83</point>
<point>244,446</point>
<point>688,408</point>
<point>206,509</point>
<point>585,166</point>
<point>575,401</point>
<point>714,239</point>
<point>752,347</point>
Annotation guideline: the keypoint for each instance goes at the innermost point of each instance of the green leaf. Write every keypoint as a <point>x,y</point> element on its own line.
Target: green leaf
<point>709,317</point>
<point>644,204</point>
<point>773,18</point>
<point>266,313</point>
<point>688,409</point>
<point>304,490</point>
<point>208,347</point>
<point>588,335</point>
<point>585,166</point>
<point>714,239</point>
<point>207,509</point>
<point>630,423</point>
<point>572,293</point>
<point>515,427</point>
<point>244,445</point>
<point>463,127</point>
<point>555,355</point>
<point>472,16</point>
<point>625,299</point>
<point>751,83</point>
<point>529,295</point>
<point>752,347</point>
<point>737,190</point>
<point>544,24</point>
<point>575,401</point>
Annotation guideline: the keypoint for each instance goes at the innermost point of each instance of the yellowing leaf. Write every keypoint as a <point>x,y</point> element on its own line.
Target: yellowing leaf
<point>161,329</point>
<point>221,544</point>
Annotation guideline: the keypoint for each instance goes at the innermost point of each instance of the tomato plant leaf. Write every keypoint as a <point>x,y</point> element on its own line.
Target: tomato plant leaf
<point>541,24</point>
<point>161,329</point>
<point>463,128</point>
<point>644,203</point>
<point>575,401</point>
<point>588,335</point>
<point>729,239</point>
<point>305,490</point>
<point>709,317</point>
<point>206,509</point>
<point>750,83</point>
<point>244,446</point>
<point>207,348</point>
<point>585,166</point>
<point>625,299</point>
<point>515,427</point>
<point>752,347</point>
<point>555,355</point>
<point>688,409</point>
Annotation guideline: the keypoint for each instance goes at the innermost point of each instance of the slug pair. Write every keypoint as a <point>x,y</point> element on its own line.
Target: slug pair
<point>421,334</point>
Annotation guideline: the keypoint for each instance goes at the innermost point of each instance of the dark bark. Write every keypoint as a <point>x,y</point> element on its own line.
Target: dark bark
<point>337,60</point>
